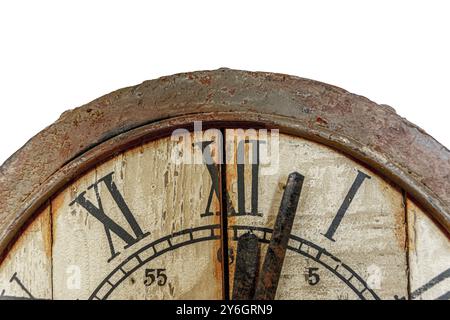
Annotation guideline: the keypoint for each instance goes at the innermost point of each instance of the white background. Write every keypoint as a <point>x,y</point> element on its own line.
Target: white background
<point>57,55</point>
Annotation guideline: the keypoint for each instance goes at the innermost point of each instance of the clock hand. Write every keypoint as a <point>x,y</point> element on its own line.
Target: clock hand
<point>273,262</point>
<point>247,265</point>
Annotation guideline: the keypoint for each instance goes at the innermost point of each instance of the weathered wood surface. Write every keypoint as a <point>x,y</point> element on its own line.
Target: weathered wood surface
<point>164,199</point>
<point>168,220</point>
<point>370,238</point>
<point>26,271</point>
<point>429,256</point>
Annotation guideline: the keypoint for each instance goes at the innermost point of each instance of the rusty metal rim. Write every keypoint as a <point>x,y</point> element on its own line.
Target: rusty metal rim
<point>153,131</point>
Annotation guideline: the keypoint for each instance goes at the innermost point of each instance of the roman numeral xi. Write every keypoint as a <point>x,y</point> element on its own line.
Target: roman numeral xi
<point>109,224</point>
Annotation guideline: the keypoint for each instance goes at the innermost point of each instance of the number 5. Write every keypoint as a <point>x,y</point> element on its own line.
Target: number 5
<point>162,278</point>
<point>149,277</point>
<point>313,277</point>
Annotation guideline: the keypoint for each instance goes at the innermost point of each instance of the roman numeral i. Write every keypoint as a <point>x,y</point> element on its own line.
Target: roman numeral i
<point>361,177</point>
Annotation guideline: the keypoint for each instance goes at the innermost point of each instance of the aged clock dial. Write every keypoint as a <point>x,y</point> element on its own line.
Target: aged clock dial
<point>227,185</point>
<point>349,229</point>
<point>146,225</point>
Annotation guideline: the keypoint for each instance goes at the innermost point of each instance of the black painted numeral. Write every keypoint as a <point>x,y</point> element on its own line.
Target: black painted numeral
<point>213,171</point>
<point>110,225</point>
<point>155,275</point>
<point>312,277</point>
<point>214,174</point>
<point>241,178</point>
<point>345,205</point>
<point>15,279</point>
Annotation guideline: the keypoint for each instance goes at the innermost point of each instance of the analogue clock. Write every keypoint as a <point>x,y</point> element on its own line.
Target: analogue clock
<point>227,185</point>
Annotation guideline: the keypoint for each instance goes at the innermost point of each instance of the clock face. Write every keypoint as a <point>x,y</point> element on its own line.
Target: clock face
<point>163,221</point>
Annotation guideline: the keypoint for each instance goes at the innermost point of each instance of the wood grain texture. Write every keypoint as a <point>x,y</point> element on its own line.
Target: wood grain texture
<point>167,226</point>
<point>26,271</point>
<point>429,256</point>
<point>369,250</point>
<point>165,199</point>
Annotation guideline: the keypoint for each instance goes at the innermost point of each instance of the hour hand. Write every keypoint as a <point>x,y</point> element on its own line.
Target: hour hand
<point>247,265</point>
<point>248,284</point>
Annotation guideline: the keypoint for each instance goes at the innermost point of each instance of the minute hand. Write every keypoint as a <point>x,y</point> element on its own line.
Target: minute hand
<point>273,262</point>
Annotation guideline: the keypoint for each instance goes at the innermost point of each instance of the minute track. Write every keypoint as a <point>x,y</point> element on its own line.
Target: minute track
<point>264,236</point>
<point>214,234</point>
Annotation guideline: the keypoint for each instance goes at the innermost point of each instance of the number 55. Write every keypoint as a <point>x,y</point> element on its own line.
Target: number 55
<point>151,275</point>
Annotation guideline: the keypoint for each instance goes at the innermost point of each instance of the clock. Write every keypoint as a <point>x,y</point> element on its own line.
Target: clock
<point>227,184</point>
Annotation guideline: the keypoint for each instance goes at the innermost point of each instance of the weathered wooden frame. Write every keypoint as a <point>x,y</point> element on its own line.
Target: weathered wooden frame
<point>373,134</point>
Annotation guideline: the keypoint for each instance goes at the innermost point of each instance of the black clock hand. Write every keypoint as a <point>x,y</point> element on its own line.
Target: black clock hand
<point>273,262</point>
<point>247,265</point>
<point>247,257</point>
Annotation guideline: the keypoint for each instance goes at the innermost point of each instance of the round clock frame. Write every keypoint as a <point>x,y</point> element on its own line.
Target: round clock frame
<point>82,138</point>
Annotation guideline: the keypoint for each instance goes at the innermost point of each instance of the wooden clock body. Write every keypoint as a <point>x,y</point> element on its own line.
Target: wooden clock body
<point>138,194</point>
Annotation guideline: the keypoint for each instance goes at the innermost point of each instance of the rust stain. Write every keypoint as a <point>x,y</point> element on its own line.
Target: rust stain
<point>39,224</point>
<point>205,80</point>
<point>218,269</point>
<point>58,202</point>
<point>230,91</point>
<point>231,180</point>
<point>400,226</point>
<point>209,97</point>
<point>321,121</point>
<point>47,232</point>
